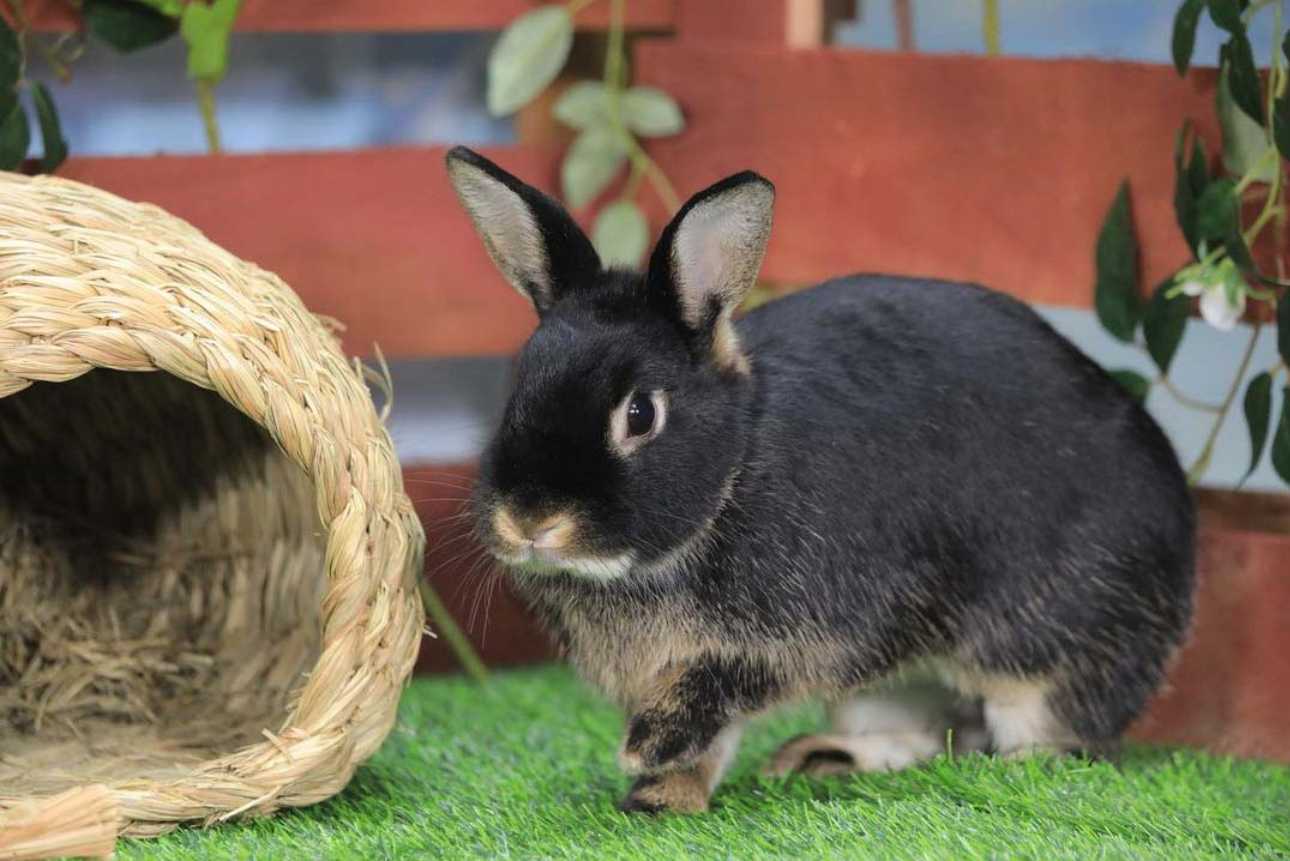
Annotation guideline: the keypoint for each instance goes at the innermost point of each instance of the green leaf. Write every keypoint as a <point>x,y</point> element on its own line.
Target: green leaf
<point>583,105</point>
<point>15,137</point>
<point>621,234</point>
<point>10,58</point>
<point>590,165</point>
<point>1226,14</point>
<point>651,113</point>
<point>1281,123</point>
<point>1283,328</point>
<point>1163,323</point>
<point>1244,141</point>
<point>1244,78</point>
<point>1133,382</point>
<point>1190,178</point>
<point>51,130</point>
<point>171,8</point>
<point>1258,410</point>
<point>125,25</point>
<point>1198,169</point>
<point>1184,41</point>
<point>1116,293</point>
<point>206,30</point>
<point>1281,111</point>
<point>1217,210</point>
<point>527,57</point>
<point>1218,220</point>
<point>1281,442</point>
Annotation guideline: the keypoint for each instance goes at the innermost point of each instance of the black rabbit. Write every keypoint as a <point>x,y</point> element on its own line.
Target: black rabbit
<point>912,499</point>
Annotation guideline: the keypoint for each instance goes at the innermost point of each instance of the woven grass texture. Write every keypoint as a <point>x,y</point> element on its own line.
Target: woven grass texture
<point>208,573</point>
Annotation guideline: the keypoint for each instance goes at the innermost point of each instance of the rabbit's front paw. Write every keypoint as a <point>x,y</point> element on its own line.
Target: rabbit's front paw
<point>683,791</point>
<point>657,741</point>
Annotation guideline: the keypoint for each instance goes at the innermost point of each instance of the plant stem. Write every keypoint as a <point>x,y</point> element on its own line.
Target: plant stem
<point>633,181</point>
<point>206,104</point>
<point>1185,399</point>
<point>615,56</point>
<point>615,81</point>
<point>990,27</point>
<point>662,185</point>
<point>1201,464</point>
<point>1252,175</point>
<point>576,6</point>
<point>452,635</point>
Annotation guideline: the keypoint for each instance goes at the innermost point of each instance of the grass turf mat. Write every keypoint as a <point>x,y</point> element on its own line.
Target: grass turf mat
<point>525,769</point>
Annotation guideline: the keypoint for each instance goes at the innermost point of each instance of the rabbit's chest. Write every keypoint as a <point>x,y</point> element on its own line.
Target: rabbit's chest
<point>623,650</point>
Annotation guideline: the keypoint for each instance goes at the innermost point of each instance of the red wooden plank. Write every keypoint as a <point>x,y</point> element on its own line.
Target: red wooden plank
<point>374,238</point>
<point>757,22</point>
<point>991,170</point>
<point>306,16</point>
<point>1230,691</point>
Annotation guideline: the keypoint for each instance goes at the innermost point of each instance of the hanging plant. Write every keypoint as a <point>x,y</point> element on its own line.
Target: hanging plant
<point>125,26</point>
<point>1222,276</point>
<point>610,116</point>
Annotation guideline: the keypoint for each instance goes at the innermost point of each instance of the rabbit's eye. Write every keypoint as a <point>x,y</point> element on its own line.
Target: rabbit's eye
<point>640,415</point>
<point>636,420</point>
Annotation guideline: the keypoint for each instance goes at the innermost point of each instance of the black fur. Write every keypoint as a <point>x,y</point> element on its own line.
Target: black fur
<point>911,469</point>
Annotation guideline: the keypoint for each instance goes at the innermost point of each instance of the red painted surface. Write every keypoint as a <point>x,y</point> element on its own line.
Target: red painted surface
<point>992,170</point>
<point>303,16</point>
<point>1230,690</point>
<point>374,238</point>
<point>753,22</point>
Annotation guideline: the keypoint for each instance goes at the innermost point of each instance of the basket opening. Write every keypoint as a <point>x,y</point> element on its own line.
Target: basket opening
<point>161,571</point>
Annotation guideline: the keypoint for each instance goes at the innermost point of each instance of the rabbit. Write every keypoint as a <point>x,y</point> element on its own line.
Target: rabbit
<point>909,499</point>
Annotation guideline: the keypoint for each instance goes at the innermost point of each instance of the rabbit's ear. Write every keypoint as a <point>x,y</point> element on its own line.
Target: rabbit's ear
<point>537,247</point>
<point>709,256</point>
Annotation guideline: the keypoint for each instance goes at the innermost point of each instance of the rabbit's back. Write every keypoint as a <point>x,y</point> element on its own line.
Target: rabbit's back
<point>937,465</point>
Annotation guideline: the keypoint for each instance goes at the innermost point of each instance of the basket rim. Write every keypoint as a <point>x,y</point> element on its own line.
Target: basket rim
<point>241,332</point>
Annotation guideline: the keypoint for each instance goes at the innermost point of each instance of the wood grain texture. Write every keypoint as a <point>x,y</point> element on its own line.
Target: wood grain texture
<point>765,22</point>
<point>374,238</point>
<point>970,168</point>
<point>333,16</point>
<point>1230,690</point>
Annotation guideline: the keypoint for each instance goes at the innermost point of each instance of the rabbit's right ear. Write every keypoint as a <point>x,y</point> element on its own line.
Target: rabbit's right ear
<point>537,247</point>
<point>707,259</point>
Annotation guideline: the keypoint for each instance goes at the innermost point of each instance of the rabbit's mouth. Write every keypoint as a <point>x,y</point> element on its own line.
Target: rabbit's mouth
<point>551,545</point>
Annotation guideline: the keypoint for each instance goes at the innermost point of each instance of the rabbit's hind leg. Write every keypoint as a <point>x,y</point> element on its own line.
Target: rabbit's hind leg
<point>894,726</point>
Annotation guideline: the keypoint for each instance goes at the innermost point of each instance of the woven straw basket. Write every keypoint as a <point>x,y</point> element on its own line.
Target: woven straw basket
<point>208,602</point>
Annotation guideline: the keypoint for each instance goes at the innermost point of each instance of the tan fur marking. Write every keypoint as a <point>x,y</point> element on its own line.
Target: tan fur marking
<point>683,791</point>
<point>726,350</point>
<point>506,529</point>
<point>687,790</point>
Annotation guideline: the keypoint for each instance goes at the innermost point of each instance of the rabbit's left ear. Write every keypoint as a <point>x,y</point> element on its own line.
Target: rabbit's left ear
<point>709,257</point>
<point>531,239</point>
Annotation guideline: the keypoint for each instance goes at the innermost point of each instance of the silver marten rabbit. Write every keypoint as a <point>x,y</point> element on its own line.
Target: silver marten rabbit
<point>912,499</point>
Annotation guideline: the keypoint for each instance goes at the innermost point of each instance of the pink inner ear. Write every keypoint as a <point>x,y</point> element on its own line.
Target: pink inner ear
<point>702,255</point>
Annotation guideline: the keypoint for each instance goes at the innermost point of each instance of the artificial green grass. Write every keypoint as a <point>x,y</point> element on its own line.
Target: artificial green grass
<point>525,769</point>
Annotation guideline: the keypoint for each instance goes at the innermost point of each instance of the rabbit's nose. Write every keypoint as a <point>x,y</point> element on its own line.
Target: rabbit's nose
<point>552,534</point>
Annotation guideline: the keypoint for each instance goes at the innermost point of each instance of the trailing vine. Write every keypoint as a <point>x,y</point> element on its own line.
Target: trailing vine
<point>1224,275</point>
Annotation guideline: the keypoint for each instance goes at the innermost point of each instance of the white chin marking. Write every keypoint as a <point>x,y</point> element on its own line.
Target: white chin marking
<point>592,568</point>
